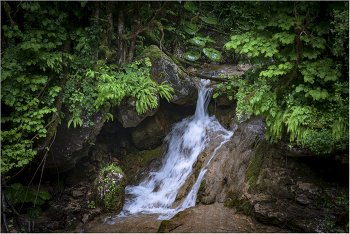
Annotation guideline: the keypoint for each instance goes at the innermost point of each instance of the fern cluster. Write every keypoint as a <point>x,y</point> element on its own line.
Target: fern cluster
<point>110,84</point>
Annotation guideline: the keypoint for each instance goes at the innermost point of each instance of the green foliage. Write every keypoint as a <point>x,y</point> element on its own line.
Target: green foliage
<point>212,54</point>
<point>29,59</point>
<point>200,42</point>
<point>112,168</point>
<point>17,193</point>
<point>190,6</point>
<point>192,55</point>
<point>314,107</point>
<point>208,20</point>
<point>92,205</point>
<point>34,212</point>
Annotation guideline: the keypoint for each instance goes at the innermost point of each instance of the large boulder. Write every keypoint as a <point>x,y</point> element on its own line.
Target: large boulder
<point>109,189</point>
<point>112,126</point>
<point>164,69</point>
<point>127,115</point>
<point>73,143</point>
<point>150,132</point>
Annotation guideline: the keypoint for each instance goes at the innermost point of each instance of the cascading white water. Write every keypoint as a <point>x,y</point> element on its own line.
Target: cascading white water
<point>186,141</point>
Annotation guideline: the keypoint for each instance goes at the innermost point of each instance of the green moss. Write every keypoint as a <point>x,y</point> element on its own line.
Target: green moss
<point>247,208</point>
<point>163,73</point>
<point>112,168</point>
<point>202,186</point>
<point>166,226</point>
<point>113,197</point>
<point>254,167</point>
<point>242,205</point>
<point>156,153</point>
<point>152,52</point>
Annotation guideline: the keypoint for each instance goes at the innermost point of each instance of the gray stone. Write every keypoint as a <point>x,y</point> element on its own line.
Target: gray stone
<point>71,144</point>
<point>77,194</point>
<point>164,69</point>
<point>150,133</point>
<point>127,114</point>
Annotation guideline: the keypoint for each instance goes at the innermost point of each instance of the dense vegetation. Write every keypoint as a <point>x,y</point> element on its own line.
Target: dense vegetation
<point>300,79</point>
<point>84,55</point>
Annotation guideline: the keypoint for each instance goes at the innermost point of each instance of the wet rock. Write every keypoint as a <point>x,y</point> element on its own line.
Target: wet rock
<point>150,132</point>
<point>72,221</point>
<point>164,69</point>
<point>226,170</point>
<point>91,214</point>
<point>301,203</point>
<point>54,225</point>
<point>112,126</point>
<point>108,189</point>
<point>243,67</point>
<point>77,194</point>
<point>127,114</point>
<point>71,144</point>
<point>26,223</point>
<point>99,151</point>
<point>213,218</point>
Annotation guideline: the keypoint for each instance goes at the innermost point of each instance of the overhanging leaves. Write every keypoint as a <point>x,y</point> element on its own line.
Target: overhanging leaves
<point>212,54</point>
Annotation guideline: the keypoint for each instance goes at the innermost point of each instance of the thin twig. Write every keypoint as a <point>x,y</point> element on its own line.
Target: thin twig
<point>44,127</point>
<point>42,170</point>
<point>13,208</point>
<point>16,173</point>
<point>4,210</point>
<point>58,172</point>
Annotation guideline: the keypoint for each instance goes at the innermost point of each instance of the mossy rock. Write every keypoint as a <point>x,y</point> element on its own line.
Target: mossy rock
<point>152,154</point>
<point>152,52</point>
<point>109,189</point>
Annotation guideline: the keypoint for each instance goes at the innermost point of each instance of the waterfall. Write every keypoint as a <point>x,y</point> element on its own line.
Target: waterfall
<point>188,138</point>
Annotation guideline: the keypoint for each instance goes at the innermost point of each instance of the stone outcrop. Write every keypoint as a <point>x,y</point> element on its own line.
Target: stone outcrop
<point>71,144</point>
<point>127,115</point>
<point>289,192</point>
<point>258,179</point>
<point>164,69</point>
<point>150,132</point>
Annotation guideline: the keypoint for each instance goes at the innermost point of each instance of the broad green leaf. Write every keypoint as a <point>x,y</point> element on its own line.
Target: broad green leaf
<point>192,55</point>
<point>197,41</point>
<point>208,20</point>
<point>190,6</point>
<point>15,193</point>
<point>34,212</point>
<point>212,54</point>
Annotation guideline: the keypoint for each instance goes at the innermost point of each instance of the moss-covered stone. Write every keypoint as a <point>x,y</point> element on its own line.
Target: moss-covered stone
<point>152,52</point>
<point>152,154</point>
<point>108,188</point>
<point>254,167</point>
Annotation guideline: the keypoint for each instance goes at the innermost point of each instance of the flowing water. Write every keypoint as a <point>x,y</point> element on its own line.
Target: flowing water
<point>188,138</point>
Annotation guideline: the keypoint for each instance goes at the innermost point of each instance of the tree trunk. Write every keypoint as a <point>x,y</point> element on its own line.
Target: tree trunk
<point>96,16</point>
<point>109,35</point>
<point>121,36</point>
<point>134,28</point>
<point>96,11</point>
<point>58,102</point>
<point>298,48</point>
<point>178,23</point>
